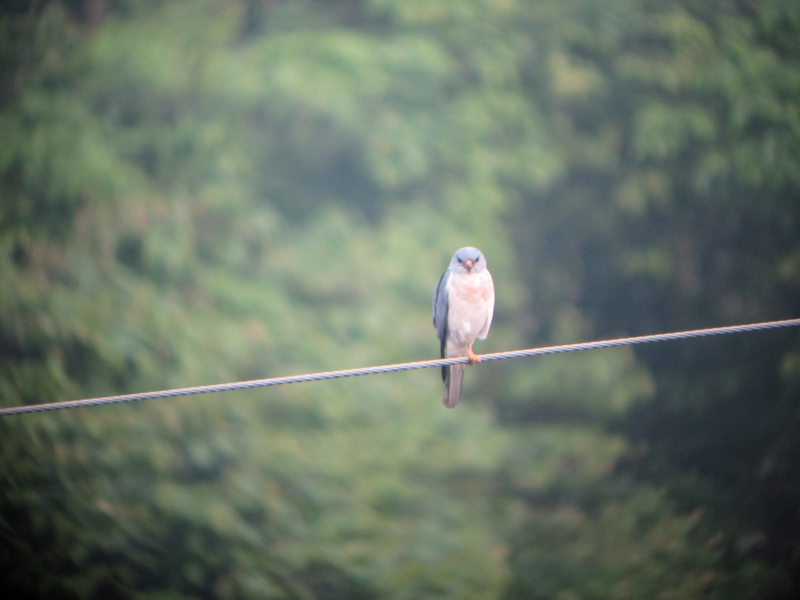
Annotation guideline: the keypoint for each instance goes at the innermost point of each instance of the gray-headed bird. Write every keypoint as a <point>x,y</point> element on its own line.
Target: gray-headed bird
<point>463,305</point>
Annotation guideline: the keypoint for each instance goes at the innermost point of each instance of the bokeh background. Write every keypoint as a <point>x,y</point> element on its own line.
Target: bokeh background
<point>202,192</point>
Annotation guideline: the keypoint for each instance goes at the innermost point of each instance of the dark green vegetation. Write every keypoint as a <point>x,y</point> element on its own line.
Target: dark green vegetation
<point>200,192</point>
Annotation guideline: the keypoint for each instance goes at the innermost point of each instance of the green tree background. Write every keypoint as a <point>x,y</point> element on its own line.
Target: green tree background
<point>201,192</point>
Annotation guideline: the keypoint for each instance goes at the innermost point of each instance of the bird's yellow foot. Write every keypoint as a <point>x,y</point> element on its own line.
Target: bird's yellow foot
<point>473,358</point>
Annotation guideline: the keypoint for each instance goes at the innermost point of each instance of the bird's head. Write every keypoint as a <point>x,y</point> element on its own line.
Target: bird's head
<point>468,260</point>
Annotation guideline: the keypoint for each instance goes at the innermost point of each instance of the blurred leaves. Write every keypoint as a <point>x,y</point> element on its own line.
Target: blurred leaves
<point>201,192</point>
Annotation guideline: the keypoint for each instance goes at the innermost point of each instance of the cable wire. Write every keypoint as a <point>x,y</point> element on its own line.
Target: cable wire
<point>425,364</point>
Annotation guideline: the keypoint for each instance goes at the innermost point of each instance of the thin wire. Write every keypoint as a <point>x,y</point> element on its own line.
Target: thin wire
<point>425,364</point>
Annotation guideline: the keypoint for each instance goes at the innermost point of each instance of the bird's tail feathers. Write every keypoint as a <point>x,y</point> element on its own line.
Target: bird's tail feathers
<point>452,385</point>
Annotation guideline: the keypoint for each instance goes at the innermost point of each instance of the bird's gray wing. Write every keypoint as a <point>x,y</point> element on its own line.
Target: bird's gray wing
<point>440,305</point>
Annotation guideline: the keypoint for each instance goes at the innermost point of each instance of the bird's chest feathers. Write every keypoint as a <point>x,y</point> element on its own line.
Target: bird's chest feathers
<point>469,299</point>
<point>470,289</point>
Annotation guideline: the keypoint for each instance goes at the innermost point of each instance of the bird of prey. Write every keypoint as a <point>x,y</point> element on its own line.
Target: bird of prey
<point>463,305</point>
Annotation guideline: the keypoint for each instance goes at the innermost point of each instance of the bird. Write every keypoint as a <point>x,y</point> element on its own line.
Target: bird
<point>463,306</point>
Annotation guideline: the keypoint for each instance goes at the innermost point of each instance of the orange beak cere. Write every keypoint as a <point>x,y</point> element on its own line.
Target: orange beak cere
<point>469,264</point>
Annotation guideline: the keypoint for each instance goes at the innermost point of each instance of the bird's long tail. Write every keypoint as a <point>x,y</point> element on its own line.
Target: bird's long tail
<point>452,385</point>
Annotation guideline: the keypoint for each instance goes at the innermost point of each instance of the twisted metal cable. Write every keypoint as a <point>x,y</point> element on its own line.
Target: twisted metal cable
<point>425,364</point>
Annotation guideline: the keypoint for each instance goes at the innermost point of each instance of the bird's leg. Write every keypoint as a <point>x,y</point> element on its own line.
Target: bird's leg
<point>473,358</point>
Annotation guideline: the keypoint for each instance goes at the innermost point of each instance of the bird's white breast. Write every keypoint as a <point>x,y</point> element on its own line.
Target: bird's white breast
<point>470,306</point>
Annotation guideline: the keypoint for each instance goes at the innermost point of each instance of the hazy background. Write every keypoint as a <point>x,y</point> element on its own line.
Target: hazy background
<point>203,192</point>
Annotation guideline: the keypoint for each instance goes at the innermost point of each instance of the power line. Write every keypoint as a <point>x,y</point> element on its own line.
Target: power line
<point>425,364</point>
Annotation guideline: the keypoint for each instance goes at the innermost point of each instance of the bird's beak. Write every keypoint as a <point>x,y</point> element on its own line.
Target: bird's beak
<point>469,264</point>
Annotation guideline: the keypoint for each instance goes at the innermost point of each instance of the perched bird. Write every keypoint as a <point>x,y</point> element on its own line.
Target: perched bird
<point>463,305</point>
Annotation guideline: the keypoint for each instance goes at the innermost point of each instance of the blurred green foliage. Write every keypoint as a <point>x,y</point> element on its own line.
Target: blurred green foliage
<point>200,192</point>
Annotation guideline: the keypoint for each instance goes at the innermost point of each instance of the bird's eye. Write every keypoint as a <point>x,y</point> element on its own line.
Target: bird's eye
<point>477,258</point>
<point>461,260</point>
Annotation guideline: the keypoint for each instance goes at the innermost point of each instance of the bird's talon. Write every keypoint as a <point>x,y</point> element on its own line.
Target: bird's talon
<point>473,358</point>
